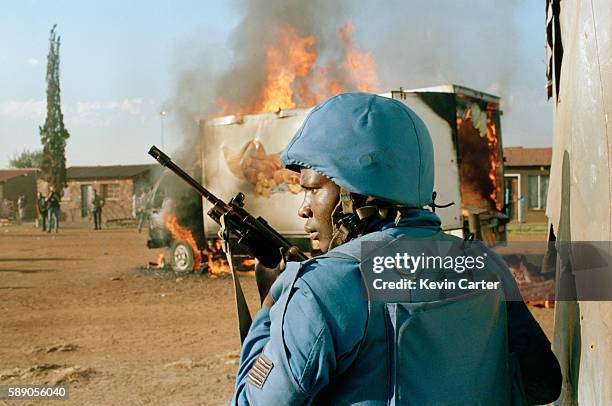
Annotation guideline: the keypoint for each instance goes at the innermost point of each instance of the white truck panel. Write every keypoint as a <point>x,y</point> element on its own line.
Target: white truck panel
<point>223,164</point>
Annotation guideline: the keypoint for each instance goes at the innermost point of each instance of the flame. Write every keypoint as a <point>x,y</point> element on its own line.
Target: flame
<point>295,77</point>
<point>360,64</point>
<point>494,159</point>
<point>159,264</point>
<point>248,262</point>
<point>492,142</point>
<point>161,261</point>
<point>293,58</point>
<point>216,261</point>
<point>180,233</point>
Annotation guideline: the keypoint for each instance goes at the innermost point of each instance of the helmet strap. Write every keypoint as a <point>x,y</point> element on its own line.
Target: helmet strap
<point>349,217</point>
<point>345,222</point>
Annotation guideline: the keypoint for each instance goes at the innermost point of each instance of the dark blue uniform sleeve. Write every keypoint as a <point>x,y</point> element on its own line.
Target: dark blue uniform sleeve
<point>256,339</point>
<point>311,333</point>
<point>540,370</point>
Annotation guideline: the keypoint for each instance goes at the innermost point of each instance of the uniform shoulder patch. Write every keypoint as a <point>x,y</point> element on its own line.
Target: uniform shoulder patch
<point>259,371</point>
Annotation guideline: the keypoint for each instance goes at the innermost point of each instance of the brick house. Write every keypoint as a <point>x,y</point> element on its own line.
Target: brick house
<point>526,173</point>
<point>117,184</point>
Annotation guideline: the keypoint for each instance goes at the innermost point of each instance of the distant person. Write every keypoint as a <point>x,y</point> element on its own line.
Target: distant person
<point>53,210</point>
<point>98,203</point>
<point>41,212</point>
<point>135,206</point>
<point>21,208</point>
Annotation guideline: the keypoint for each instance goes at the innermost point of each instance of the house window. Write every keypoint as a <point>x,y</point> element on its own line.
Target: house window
<point>538,189</point>
<point>110,191</point>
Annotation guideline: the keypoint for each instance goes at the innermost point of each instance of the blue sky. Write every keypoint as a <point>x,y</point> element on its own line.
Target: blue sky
<point>121,61</point>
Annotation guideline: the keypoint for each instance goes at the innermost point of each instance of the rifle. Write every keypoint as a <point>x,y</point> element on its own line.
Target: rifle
<point>255,234</point>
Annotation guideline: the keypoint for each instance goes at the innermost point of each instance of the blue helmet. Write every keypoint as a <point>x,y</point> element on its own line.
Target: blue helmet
<point>367,144</point>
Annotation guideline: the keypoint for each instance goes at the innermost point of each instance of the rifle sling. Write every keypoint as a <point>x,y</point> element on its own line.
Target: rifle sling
<point>244,315</point>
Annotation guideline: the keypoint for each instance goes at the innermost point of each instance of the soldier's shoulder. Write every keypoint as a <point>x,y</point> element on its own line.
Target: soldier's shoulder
<point>325,275</point>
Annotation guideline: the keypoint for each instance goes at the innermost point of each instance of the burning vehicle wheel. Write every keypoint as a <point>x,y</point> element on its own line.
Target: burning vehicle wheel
<point>182,257</point>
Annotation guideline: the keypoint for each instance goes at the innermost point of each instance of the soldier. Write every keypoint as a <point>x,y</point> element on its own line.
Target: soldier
<point>367,169</point>
<point>53,210</point>
<point>41,209</point>
<point>97,205</point>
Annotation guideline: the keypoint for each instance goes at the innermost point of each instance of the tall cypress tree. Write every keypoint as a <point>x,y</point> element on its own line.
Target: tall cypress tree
<point>53,134</point>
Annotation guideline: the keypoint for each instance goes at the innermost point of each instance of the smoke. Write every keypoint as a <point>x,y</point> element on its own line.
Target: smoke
<point>234,72</point>
<point>494,46</point>
<point>319,18</point>
<point>478,43</point>
<point>473,43</point>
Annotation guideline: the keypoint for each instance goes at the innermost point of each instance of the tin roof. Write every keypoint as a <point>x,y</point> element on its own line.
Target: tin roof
<point>450,88</point>
<point>519,156</point>
<point>107,171</point>
<point>6,174</point>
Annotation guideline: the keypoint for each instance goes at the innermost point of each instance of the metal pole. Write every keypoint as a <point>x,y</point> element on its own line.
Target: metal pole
<point>162,114</point>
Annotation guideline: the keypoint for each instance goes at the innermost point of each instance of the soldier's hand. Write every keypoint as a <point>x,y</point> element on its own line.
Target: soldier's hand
<point>265,277</point>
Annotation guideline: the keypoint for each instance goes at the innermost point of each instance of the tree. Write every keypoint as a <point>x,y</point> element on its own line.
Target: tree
<point>53,134</point>
<point>26,159</point>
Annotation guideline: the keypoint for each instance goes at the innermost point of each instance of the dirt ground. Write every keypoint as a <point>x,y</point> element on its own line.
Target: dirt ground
<point>76,308</point>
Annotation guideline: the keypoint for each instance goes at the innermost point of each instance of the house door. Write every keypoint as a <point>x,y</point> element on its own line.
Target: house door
<point>512,198</point>
<point>86,198</point>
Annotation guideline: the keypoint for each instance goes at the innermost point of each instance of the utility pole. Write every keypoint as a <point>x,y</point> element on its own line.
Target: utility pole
<point>162,114</point>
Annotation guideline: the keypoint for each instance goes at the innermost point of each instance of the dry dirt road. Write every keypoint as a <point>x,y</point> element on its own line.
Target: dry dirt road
<point>77,308</point>
<point>132,337</point>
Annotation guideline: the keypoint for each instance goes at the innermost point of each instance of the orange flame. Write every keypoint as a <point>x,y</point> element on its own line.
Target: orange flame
<point>217,264</point>
<point>494,159</point>
<point>360,64</point>
<point>294,79</point>
<point>292,59</point>
<point>180,233</point>
<point>248,262</point>
<point>161,261</point>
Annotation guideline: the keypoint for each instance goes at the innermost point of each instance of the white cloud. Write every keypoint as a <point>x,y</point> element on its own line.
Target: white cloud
<point>33,61</point>
<point>126,106</point>
<point>85,112</point>
<point>16,109</point>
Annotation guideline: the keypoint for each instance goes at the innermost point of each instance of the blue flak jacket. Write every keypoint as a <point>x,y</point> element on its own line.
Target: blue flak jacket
<point>323,343</point>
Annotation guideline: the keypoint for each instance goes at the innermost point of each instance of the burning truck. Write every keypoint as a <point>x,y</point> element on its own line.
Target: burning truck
<point>241,153</point>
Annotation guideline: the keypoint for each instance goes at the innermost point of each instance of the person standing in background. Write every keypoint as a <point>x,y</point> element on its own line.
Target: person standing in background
<point>21,208</point>
<point>98,203</point>
<point>53,210</point>
<point>41,212</point>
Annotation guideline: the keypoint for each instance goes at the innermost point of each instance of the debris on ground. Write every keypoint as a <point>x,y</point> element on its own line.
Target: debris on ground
<point>230,358</point>
<point>62,347</point>
<point>187,364</point>
<point>49,374</point>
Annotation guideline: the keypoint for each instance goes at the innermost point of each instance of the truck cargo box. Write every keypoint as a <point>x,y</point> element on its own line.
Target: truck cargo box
<point>241,153</point>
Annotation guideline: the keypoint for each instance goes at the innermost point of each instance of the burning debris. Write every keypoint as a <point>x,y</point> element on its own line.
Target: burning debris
<point>494,159</point>
<point>160,264</point>
<point>216,259</point>
<point>537,288</point>
<point>479,142</point>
